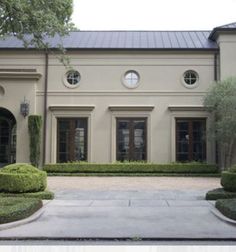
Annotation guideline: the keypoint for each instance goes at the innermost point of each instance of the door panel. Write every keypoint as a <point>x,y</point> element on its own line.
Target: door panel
<point>190,140</point>
<point>4,141</point>
<point>71,139</point>
<point>131,139</point>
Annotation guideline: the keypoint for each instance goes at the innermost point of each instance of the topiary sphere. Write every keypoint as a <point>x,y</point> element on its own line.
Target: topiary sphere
<point>228,181</point>
<point>21,178</point>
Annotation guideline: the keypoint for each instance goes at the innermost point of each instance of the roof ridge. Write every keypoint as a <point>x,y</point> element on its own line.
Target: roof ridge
<point>222,26</point>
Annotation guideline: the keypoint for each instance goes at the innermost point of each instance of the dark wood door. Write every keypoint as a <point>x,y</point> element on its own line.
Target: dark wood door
<point>5,144</point>
<point>190,140</point>
<point>71,139</point>
<point>131,140</point>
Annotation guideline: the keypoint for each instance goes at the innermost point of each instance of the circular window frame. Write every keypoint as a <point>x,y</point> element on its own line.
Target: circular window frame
<point>190,86</point>
<point>65,79</point>
<point>124,81</point>
<point>2,91</point>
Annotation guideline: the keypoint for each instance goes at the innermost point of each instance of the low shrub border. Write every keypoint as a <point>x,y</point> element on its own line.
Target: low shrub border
<point>227,207</point>
<point>45,195</point>
<point>57,174</point>
<point>13,209</point>
<point>220,193</point>
<point>130,168</point>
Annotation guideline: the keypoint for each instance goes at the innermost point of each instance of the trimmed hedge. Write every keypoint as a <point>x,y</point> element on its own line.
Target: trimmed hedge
<point>130,168</point>
<point>228,181</point>
<point>21,178</point>
<point>208,175</point>
<point>233,168</point>
<point>45,195</point>
<point>227,207</point>
<point>220,193</point>
<point>13,209</point>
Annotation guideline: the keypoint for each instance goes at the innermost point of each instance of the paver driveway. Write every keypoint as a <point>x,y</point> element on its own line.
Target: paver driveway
<point>128,207</point>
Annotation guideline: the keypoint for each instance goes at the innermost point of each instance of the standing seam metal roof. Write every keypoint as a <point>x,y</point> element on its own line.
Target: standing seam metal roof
<point>125,40</point>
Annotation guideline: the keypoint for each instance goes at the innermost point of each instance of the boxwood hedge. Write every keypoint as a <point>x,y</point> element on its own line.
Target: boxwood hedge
<point>13,209</point>
<point>220,193</point>
<point>130,168</point>
<point>228,181</point>
<point>44,195</point>
<point>21,178</point>
<point>227,207</point>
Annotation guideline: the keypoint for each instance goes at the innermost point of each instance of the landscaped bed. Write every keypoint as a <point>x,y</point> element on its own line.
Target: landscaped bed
<point>13,209</point>
<point>22,188</point>
<point>227,207</point>
<point>220,193</point>
<point>131,169</point>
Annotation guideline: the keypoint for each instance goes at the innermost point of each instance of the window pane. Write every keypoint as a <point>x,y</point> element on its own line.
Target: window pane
<point>131,139</point>
<point>72,139</point>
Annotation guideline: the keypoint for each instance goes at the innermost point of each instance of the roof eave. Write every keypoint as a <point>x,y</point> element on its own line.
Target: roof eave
<point>215,32</point>
<point>116,49</point>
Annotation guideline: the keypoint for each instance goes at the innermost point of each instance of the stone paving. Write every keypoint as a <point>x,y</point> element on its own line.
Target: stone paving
<point>112,212</point>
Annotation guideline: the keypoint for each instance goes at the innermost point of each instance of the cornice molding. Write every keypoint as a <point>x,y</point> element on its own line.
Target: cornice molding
<point>71,107</point>
<point>131,108</point>
<point>186,108</point>
<point>20,75</point>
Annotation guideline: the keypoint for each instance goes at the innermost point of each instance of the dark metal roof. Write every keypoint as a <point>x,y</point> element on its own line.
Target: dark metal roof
<point>168,40</point>
<point>229,28</point>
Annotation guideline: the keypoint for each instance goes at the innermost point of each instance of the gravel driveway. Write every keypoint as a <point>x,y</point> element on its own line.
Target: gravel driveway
<point>132,183</point>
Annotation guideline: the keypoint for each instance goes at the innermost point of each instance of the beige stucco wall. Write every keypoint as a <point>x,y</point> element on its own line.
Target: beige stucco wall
<point>17,87</point>
<point>101,86</point>
<point>227,45</point>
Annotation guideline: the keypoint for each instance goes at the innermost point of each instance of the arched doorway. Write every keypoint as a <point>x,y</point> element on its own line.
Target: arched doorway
<point>7,137</point>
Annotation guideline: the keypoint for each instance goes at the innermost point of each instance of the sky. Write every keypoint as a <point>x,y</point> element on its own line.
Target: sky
<point>153,14</point>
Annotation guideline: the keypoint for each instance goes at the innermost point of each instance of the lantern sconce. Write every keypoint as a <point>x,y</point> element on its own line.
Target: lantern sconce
<point>24,108</point>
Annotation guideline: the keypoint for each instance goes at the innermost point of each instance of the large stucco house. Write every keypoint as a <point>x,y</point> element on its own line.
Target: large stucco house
<point>131,95</point>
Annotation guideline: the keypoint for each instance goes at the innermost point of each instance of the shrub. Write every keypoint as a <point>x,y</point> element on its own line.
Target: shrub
<point>20,178</point>
<point>220,193</point>
<point>228,181</point>
<point>130,168</point>
<point>227,207</point>
<point>233,168</point>
<point>34,127</point>
<point>45,195</point>
<point>13,209</point>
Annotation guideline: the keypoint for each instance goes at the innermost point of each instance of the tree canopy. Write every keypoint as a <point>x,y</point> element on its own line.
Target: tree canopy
<point>221,102</point>
<point>37,18</point>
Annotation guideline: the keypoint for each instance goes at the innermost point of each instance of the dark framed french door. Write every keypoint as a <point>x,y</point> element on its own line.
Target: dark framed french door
<point>72,139</point>
<point>131,139</point>
<point>190,139</point>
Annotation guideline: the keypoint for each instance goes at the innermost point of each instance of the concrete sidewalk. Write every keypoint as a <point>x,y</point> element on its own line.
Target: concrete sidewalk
<point>154,214</point>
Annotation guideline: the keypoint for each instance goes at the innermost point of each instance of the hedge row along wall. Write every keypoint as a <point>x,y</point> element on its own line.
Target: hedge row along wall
<point>129,168</point>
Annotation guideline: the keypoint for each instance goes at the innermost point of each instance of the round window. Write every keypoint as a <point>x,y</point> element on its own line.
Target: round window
<point>131,79</point>
<point>190,79</point>
<point>2,91</point>
<point>72,78</point>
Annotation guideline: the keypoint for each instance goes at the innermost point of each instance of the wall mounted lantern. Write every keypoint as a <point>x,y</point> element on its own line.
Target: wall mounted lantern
<point>24,108</point>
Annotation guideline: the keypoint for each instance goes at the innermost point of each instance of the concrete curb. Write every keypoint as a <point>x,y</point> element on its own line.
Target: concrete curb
<point>32,218</point>
<point>220,216</point>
